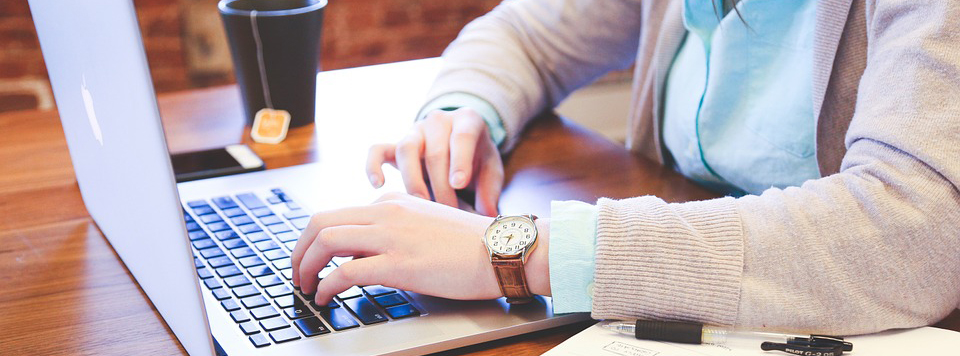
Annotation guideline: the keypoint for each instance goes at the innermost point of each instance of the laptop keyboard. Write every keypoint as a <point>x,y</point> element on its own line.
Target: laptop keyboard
<point>242,246</point>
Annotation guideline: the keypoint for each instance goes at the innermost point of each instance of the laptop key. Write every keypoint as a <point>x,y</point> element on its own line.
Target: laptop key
<point>297,312</point>
<point>264,312</point>
<point>218,226</point>
<point>389,300</point>
<point>212,283</point>
<point>203,243</point>
<point>296,213</point>
<point>254,302</point>
<point>269,281</point>
<point>204,273</point>
<point>228,271</point>
<point>273,200</point>
<point>248,228</point>
<point>274,324</point>
<point>311,326</point>
<point>251,261</point>
<point>250,200</point>
<point>236,281</point>
<point>203,210</point>
<point>240,316</point>
<point>376,290</point>
<point>249,328</point>
<point>233,212</point>
<point>245,291</point>
<point>287,301</point>
<point>210,218</point>
<point>365,310</point>
<point>402,311</point>
<point>300,223</point>
<point>261,212</point>
<point>259,340</point>
<point>196,203</point>
<point>220,261</point>
<point>277,291</point>
<point>226,235</point>
<point>331,305</point>
<point>224,203</point>
<point>282,263</point>
<point>287,273</point>
<point>241,220</point>
<point>211,252</point>
<point>230,305</point>
<point>192,226</point>
<point>234,243</point>
<point>284,335</point>
<point>270,220</point>
<point>257,236</point>
<point>353,292</point>
<point>221,294</point>
<point>287,236</point>
<point>242,252</point>
<point>278,228</point>
<point>197,262</point>
<point>259,271</point>
<point>197,235</point>
<point>276,254</point>
<point>339,318</point>
<point>266,245</point>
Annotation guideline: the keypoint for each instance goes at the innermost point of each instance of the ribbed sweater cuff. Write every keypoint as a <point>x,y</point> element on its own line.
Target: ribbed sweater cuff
<point>668,261</point>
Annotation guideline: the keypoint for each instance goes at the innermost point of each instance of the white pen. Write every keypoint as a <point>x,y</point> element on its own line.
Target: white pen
<point>696,333</point>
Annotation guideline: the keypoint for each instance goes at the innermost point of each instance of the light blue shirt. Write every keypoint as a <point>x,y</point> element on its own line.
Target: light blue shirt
<point>738,118</point>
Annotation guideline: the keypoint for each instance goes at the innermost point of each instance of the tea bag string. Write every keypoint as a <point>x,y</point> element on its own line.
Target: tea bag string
<point>263,69</point>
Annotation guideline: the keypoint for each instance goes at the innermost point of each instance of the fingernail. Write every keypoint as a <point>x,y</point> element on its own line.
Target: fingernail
<point>375,180</point>
<point>458,179</point>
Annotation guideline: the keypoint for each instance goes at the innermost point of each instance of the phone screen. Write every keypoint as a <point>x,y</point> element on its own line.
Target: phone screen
<point>214,163</point>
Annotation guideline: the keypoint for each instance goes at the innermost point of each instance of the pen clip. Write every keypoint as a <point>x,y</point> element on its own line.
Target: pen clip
<point>822,341</point>
<point>799,349</point>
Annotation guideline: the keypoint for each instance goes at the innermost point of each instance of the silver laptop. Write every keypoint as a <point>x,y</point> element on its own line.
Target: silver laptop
<point>213,255</point>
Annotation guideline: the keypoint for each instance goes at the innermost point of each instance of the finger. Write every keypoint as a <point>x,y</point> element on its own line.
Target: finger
<point>489,184</point>
<point>335,242</point>
<point>359,215</point>
<point>437,159</point>
<point>377,156</point>
<point>464,138</point>
<point>364,271</point>
<point>408,154</point>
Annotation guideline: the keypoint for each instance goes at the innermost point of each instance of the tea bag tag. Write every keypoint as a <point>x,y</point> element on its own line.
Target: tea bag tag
<point>270,126</point>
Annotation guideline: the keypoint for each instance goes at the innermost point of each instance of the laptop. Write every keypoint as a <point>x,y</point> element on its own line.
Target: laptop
<point>213,255</point>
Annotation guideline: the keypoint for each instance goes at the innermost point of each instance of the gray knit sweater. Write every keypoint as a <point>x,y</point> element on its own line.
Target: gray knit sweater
<point>873,245</point>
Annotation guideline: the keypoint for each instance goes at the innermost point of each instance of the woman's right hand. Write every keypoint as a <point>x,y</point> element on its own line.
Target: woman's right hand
<point>448,150</point>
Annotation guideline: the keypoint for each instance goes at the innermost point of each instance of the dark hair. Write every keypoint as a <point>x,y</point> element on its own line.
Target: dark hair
<point>727,5</point>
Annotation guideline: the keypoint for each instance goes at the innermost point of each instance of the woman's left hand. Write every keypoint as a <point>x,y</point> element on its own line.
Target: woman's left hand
<point>408,243</point>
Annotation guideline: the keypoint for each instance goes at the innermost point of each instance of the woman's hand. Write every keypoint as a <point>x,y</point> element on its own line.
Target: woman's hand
<point>455,151</point>
<point>407,243</point>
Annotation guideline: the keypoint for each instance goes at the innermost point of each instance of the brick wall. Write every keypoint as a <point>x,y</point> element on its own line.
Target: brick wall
<point>186,50</point>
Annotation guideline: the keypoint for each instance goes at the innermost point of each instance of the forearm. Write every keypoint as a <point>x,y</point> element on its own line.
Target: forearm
<point>526,56</point>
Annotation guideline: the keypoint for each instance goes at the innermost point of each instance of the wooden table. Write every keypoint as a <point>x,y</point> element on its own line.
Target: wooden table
<point>63,290</point>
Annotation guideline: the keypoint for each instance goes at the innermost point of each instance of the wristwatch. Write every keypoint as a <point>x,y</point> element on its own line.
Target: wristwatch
<point>509,240</point>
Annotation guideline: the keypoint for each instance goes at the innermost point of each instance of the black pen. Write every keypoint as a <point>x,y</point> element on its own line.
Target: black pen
<point>696,333</point>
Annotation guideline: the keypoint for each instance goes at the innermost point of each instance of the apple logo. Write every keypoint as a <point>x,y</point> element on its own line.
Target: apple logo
<point>91,114</point>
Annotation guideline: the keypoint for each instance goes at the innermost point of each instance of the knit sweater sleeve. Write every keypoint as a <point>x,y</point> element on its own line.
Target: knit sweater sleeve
<point>874,247</point>
<point>526,56</point>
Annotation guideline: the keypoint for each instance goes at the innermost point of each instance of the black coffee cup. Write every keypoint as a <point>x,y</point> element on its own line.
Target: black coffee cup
<point>276,49</point>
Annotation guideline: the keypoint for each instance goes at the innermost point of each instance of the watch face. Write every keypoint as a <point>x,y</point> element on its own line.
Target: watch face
<point>511,235</point>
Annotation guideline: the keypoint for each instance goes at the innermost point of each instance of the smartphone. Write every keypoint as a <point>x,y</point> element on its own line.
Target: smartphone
<point>216,162</point>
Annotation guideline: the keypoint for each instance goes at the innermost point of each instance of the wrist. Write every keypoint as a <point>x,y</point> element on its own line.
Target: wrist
<point>537,267</point>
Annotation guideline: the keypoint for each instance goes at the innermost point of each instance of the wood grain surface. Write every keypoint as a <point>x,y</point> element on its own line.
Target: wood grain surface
<point>63,290</point>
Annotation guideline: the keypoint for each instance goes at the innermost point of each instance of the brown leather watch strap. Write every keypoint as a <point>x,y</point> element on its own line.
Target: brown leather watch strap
<point>512,279</point>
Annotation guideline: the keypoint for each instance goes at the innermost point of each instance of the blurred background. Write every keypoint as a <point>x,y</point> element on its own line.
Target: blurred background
<point>186,48</point>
